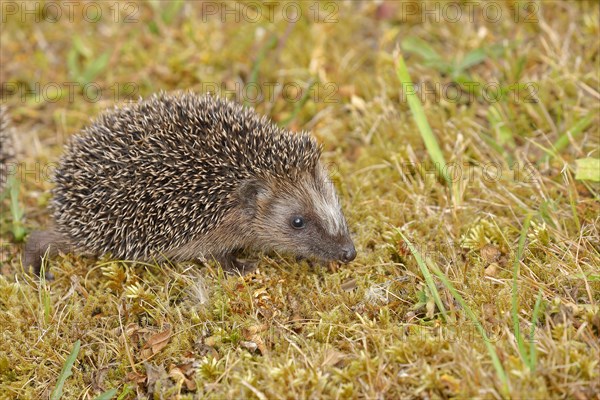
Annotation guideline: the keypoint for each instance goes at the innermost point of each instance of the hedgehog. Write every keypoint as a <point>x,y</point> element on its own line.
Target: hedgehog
<point>192,177</point>
<point>7,150</point>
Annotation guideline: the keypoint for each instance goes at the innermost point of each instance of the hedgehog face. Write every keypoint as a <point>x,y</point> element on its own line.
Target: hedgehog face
<point>302,217</point>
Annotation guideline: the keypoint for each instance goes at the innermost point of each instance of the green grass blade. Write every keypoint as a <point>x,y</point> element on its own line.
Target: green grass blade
<point>109,394</point>
<point>491,350</point>
<point>16,210</point>
<point>472,58</point>
<point>127,390</point>
<point>534,321</point>
<point>426,274</point>
<point>81,48</point>
<point>415,45</point>
<point>73,64</point>
<point>95,67</point>
<point>66,372</point>
<point>299,104</point>
<point>515,297</point>
<point>433,148</point>
<point>46,303</point>
<point>574,132</point>
<point>268,46</point>
<point>170,11</point>
<point>573,198</point>
<point>501,129</point>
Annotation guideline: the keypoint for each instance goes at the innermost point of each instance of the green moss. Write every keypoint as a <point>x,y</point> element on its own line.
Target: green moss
<point>297,331</point>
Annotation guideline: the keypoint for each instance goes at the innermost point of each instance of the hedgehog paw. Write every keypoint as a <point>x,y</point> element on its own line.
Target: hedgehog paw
<point>232,265</point>
<point>246,266</point>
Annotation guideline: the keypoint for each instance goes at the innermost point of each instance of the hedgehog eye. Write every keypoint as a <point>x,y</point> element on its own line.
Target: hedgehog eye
<point>298,223</point>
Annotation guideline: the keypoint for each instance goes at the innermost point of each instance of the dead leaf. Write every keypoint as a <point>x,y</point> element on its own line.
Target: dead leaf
<point>261,345</point>
<point>98,377</point>
<point>252,346</point>
<point>154,374</point>
<point>349,285</point>
<point>332,358</point>
<point>254,329</point>
<point>251,334</point>
<point>156,342</point>
<point>490,253</point>
<point>178,374</point>
<point>136,377</point>
<point>212,341</point>
<point>492,270</point>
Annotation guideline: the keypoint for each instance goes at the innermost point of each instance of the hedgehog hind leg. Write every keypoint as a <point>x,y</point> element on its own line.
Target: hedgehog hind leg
<point>40,244</point>
<point>232,265</point>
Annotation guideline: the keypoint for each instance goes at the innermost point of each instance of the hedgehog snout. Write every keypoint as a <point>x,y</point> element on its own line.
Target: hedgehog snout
<point>348,253</point>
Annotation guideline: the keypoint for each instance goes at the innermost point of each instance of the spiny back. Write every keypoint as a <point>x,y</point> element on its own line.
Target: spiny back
<point>148,177</point>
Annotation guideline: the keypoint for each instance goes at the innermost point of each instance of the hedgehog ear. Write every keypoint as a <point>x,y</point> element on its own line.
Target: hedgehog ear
<point>252,194</point>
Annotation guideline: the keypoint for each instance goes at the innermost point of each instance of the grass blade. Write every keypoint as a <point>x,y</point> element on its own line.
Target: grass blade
<point>433,148</point>
<point>534,321</point>
<point>268,46</point>
<point>66,372</point>
<point>419,46</point>
<point>472,58</point>
<point>109,394</point>
<point>491,350</point>
<point>427,275</point>
<point>171,10</point>
<point>127,390</point>
<point>95,67</point>
<point>563,141</point>
<point>501,129</point>
<point>515,298</point>
<point>16,210</point>
<point>299,104</point>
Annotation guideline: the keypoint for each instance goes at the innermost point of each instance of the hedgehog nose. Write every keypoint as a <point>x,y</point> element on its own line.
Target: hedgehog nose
<point>348,253</point>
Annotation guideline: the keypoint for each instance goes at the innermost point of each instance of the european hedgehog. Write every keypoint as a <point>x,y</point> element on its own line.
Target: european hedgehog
<point>7,151</point>
<point>181,177</point>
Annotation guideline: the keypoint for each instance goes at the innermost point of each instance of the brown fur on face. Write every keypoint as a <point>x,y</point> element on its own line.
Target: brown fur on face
<point>312,197</point>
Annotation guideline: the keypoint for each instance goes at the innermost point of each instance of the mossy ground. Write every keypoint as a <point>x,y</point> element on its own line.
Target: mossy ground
<point>369,329</point>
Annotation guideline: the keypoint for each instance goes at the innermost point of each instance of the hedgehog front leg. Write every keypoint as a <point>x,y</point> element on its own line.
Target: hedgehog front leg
<point>232,265</point>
